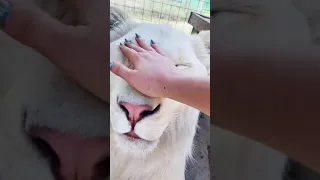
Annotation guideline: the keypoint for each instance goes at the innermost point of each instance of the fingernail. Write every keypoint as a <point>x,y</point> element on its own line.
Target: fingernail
<point>4,11</point>
<point>126,40</point>
<point>111,65</point>
<point>138,36</point>
<point>121,44</point>
<point>152,42</point>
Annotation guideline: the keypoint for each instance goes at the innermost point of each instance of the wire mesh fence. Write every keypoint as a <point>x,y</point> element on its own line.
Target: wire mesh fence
<point>174,12</point>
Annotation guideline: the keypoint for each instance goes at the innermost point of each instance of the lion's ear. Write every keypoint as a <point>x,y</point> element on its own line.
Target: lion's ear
<point>120,23</point>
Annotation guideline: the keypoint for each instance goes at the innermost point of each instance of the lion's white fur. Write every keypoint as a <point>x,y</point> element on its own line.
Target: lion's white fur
<point>34,92</point>
<point>170,131</point>
<point>31,85</point>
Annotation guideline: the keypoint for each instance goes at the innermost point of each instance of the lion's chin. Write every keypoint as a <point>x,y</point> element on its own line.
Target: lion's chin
<point>134,146</point>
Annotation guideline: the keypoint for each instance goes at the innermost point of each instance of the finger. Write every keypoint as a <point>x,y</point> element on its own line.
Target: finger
<point>134,47</point>
<point>120,70</point>
<point>31,26</point>
<point>130,54</point>
<point>143,44</point>
<point>155,47</point>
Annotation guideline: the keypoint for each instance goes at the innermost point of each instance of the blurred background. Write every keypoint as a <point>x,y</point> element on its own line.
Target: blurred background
<point>174,12</point>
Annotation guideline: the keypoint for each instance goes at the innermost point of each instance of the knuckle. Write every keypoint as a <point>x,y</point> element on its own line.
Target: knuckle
<point>120,71</point>
<point>116,69</point>
<point>144,54</point>
<point>137,55</point>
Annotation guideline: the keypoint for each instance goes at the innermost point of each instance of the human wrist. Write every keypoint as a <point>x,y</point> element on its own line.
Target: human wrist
<point>171,83</point>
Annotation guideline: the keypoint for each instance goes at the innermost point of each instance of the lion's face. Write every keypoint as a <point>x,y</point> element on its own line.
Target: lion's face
<point>139,122</point>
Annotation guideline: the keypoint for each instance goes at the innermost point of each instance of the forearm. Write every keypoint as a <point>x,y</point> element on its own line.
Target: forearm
<point>193,91</point>
<point>274,101</point>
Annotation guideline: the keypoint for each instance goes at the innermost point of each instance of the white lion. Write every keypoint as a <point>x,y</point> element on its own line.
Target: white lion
<point>51,128</point>
<point>159,140</point>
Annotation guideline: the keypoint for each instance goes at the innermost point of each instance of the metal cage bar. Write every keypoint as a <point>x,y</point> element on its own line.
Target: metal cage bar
<point>174,12</point>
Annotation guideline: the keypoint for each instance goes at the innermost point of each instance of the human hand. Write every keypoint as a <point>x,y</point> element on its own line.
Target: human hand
<point>152,69</point>
<point>80,50</point>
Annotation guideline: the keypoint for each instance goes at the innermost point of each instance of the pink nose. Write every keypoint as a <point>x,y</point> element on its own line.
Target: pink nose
<point>135,111</point>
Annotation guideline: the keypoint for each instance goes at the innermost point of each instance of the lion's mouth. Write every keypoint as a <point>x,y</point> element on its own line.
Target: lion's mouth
<point>132,135</point>
<point>136,113</point>
<point>72,157</point>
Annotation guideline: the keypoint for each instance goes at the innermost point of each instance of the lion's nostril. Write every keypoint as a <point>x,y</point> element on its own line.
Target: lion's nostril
<point>147,113</point>
<point>135,112</point>
<point>124,110</point>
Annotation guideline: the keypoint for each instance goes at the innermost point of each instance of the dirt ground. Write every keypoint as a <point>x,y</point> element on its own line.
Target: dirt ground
<point>199,169</point>
<point>261,163</point>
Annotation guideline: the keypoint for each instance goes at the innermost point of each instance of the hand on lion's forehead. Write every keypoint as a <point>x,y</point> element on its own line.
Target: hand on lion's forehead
<point>143,127</point>
<point>47,114</point>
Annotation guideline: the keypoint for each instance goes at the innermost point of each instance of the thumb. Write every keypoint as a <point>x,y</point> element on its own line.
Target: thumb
<point>120,70</point>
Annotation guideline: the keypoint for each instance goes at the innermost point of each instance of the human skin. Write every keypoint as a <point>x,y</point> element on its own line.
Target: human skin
<point>253,98</point>
<point>80,51</point>
<point>165,79</point>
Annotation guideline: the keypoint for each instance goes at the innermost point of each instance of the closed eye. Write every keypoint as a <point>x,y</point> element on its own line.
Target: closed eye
<point>183,65</point>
